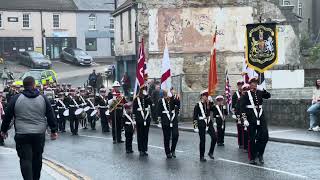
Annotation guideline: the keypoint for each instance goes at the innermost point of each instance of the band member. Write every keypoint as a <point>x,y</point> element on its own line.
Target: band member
<point>142,113</point>
<point>116,112</point>
<point>102,104</point>
<point>61,109</point>
<point>245,89</point>
<point>203,124</point>
<point>73,106</point>
<point>83,104</point>
<point>129,126</point>
<point>92,112</point>
<point>168,111</point>
<point>237,114</point>
<point>220,112</point>
<point>252,112</point>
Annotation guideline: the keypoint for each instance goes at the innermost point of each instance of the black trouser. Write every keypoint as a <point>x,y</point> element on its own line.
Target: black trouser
<point>154,113</point>
<point>116,116</point>
<point>30,148</point>
<point>91,119</point>
<point>61,122</point>
<point>258,138</point>
<point>1,141</point>
<point>104,121</point>
<point>245,137</point>
<point>129,136</point>
<point>167,133</point>
<point>220,130</point>
<point>142,136</point>
<point>74,124</point>
<point>240,129</point>
<point>202,135</point>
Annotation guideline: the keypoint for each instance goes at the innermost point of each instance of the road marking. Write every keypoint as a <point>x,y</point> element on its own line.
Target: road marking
<point>134,142</point>
<point>264,168</point>
<point>53,173</point>
<point>281,131</point>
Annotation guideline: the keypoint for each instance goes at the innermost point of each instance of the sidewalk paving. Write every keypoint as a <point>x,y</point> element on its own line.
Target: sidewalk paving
<point>276,134</point>
<point>10,167</point>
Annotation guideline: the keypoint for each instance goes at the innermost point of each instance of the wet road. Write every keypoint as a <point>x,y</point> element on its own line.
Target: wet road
<point>93,154</point>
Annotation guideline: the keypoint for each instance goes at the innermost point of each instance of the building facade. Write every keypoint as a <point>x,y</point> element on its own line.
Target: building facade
<point>95,28</point>
<point>44,26</point>
<point>126,42</point>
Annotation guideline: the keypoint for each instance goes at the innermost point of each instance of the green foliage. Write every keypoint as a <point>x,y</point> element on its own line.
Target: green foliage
<point>315,53</point>
<point>305,42</point>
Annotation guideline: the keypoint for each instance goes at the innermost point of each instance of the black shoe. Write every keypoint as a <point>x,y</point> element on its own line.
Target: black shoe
<point>202,159</point>
<point>211,156</point>
<point>142,153</point>
<point>220,144</point>
<point>85,128</point>
<point>129,151</point>
<point>169,156</point>
<point>145,153</point>
<point>114,142</point>
<point>174,154</point>
<point>94,129</point>
<point>253,162</point>
<point>241,147</point>
<point>261,160</point>
<point>121,141</point>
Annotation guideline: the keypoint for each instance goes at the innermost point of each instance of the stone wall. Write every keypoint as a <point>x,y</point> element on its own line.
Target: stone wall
<point>188,26</point>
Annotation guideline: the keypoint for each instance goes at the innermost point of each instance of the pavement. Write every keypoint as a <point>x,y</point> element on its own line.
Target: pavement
<point>276,134</point>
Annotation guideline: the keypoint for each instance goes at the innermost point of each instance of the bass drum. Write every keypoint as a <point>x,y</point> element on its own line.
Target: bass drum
<point>66,113</point>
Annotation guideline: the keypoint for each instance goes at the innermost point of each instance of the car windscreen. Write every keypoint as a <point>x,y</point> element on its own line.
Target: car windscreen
<point>36,55</point>
<point>80,53</point>
<point>35,74</point>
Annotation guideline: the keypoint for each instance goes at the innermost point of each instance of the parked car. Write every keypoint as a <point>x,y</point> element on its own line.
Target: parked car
<point>40,75</point>
<point>34,59</point>
<point>76,56</point>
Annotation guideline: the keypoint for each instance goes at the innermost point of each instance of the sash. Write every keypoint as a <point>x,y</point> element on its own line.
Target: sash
<point>128,117</point>
<point>238,94</point>
<point>220,113</point>
<point>255,108</point>
<point>64,106</point>
<point>91,104</point>
<point>83,101</point>
<point>167,112</point>
<point>75,102</point>
<point>142,112</point>
<point>204,117</point>
<point>105,102</point>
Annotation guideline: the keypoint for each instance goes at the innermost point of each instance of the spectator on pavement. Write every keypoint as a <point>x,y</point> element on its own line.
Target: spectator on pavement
<point>1,116</point>
<point>125,81</point>
<point>155,96</point>
<point>32,114</point>
<point>315,108</point>
<point>93,79</point>
<point>99,81</point>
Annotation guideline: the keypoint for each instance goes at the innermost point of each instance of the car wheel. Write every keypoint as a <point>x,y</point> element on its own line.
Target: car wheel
<point>61,58</point>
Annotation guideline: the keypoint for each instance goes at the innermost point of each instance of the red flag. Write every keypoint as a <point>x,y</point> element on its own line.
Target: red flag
<point>141,66</point>
<point>213,76</point>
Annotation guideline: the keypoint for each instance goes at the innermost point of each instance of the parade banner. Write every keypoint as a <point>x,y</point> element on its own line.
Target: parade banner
<point>262,46</point>
<point>213,76</point>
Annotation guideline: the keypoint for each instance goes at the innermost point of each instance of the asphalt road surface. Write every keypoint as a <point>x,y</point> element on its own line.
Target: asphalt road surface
<point>93,154</point>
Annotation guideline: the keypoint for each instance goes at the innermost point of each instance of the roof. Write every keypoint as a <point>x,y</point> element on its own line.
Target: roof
<point>49,5</point>
<point>123,7</point>
<point>95,5</point>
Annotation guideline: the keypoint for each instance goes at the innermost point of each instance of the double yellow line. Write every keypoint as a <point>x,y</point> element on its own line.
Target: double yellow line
<point>69,174</point>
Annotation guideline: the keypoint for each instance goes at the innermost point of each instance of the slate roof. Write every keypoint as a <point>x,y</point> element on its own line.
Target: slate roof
<point>48,5</point>
<point>123,7</point>
<point>95,5</point>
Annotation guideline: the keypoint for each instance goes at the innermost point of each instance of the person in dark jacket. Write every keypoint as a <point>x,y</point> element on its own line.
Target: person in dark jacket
<point>32,114</point>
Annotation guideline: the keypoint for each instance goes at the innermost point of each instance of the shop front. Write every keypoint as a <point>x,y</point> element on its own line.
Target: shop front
<point>55,45</point>
<point>11,46</point>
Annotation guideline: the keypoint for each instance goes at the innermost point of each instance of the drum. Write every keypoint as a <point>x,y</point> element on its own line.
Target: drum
<point>86,108</point>
<point>66,113</point>
<point>78,111</point>
<point>94,112</point>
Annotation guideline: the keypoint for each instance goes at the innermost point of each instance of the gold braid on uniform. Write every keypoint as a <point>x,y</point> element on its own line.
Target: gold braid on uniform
<point>195,124</point>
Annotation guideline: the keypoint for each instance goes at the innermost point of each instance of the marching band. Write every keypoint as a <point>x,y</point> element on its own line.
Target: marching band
<point>81,106</point>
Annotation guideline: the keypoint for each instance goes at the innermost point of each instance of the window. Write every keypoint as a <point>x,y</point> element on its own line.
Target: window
<point>91,44</point>
<point>92,22</point>
<point>56,21</point>
<point>111,24</point>
<point>121,28</point>
<point>285,3</point>
<point>1,21</point>
<point>300,9</point>
<point>112,47</point>
<point>26,21</point>
<point>129,25</point>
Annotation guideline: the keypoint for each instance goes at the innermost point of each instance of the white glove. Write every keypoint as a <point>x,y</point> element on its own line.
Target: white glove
<point>260,88</point>
<point>234,116</point>
<point>246,123</point>
<point>114,98</point>
<point>210,99</point>
<point>159,125</point>
<point>224,107</point>
<point>196,130</point>
<point>215,124</point>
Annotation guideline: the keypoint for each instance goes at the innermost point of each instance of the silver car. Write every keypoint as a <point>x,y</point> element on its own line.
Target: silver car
<point>34,59</point>
<point>76,56</point>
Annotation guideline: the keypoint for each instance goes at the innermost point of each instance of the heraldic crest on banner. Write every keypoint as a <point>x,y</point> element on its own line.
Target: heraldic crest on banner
<point>262,40</point>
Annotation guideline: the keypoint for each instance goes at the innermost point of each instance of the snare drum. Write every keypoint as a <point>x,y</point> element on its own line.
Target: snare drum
<point>66,113</point>
<point>94,112</point>
<point>86,108</point>
<point>78,111</point>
